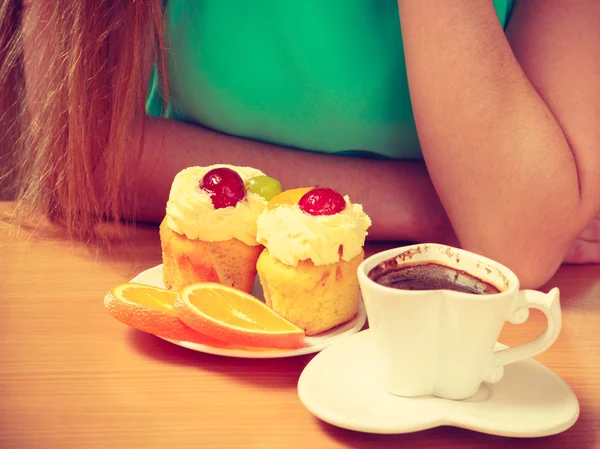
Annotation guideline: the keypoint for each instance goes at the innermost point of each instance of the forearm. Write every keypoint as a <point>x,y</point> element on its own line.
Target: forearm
<point>498,158</point>
<point>398,196</point>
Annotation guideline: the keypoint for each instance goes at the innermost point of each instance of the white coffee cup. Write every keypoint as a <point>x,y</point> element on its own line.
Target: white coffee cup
<point>441,342</point>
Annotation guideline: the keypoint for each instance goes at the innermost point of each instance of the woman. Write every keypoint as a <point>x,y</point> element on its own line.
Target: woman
<point>504,99</point>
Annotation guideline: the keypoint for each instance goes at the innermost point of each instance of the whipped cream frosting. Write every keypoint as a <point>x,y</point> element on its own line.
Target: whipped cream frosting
<point>291,235</point>
<point>190,211</point>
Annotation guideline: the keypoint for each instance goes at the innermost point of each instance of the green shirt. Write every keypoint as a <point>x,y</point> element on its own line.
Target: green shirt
<point>319,75</point>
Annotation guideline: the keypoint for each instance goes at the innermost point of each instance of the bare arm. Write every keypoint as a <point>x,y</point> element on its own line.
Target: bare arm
<point>398,196</point>
<point>509,135</point>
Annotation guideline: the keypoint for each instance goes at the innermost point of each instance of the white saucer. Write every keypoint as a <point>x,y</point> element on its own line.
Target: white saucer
<point>153,277</point>
<point>339,386</point>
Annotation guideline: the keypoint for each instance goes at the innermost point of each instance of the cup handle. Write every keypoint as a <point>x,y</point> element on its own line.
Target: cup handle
<point>549,304</point>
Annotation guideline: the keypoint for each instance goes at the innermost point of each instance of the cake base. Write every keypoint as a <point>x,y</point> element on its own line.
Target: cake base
<point>185,261</point>
<point>315,298</point>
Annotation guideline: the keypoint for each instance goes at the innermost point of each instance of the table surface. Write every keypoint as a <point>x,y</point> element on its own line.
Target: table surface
<point>73,377</point>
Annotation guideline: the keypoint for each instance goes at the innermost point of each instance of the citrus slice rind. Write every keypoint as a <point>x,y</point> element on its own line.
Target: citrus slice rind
<point>235,317</point>
<point>154,312</point>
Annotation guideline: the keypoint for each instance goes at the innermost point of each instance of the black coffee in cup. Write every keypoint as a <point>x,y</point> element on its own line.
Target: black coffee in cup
<point>428,276</point>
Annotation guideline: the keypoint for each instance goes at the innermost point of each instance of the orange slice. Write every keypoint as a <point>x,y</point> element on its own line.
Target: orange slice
<point>288,197</point>
<point>236,317</point>
<point>151,310</point>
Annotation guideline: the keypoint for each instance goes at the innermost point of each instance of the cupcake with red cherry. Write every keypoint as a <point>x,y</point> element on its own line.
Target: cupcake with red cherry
<point>313,240</point>
<point>209,230</point>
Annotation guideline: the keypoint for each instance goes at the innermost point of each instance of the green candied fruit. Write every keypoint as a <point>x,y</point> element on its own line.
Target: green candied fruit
<point>264,186</point>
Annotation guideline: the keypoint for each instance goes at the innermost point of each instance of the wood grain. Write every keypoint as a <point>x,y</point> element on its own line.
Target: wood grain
<point>73,377</point>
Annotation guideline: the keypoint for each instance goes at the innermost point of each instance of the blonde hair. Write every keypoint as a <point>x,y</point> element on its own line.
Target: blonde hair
<point>66,140</point>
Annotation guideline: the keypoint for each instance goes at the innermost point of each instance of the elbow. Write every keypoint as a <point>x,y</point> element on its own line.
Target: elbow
<point>534,262</point>
<point>535,276</point>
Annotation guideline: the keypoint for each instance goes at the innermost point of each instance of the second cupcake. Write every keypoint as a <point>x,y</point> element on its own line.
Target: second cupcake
<point>313,240</point>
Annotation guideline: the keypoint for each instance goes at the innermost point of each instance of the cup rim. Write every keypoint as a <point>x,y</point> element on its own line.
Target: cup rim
<point>362,271</point>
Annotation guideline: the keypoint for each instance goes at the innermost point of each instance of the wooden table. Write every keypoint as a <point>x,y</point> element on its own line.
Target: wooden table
<point>73,377</point>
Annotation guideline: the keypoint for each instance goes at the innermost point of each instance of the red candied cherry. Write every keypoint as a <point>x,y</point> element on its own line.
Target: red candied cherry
<point>224,186</point>
<point>322,201</point>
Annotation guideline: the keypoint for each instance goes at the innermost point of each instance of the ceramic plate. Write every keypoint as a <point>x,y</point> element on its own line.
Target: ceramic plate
<point>153,277</point>
<point>340,386</point>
